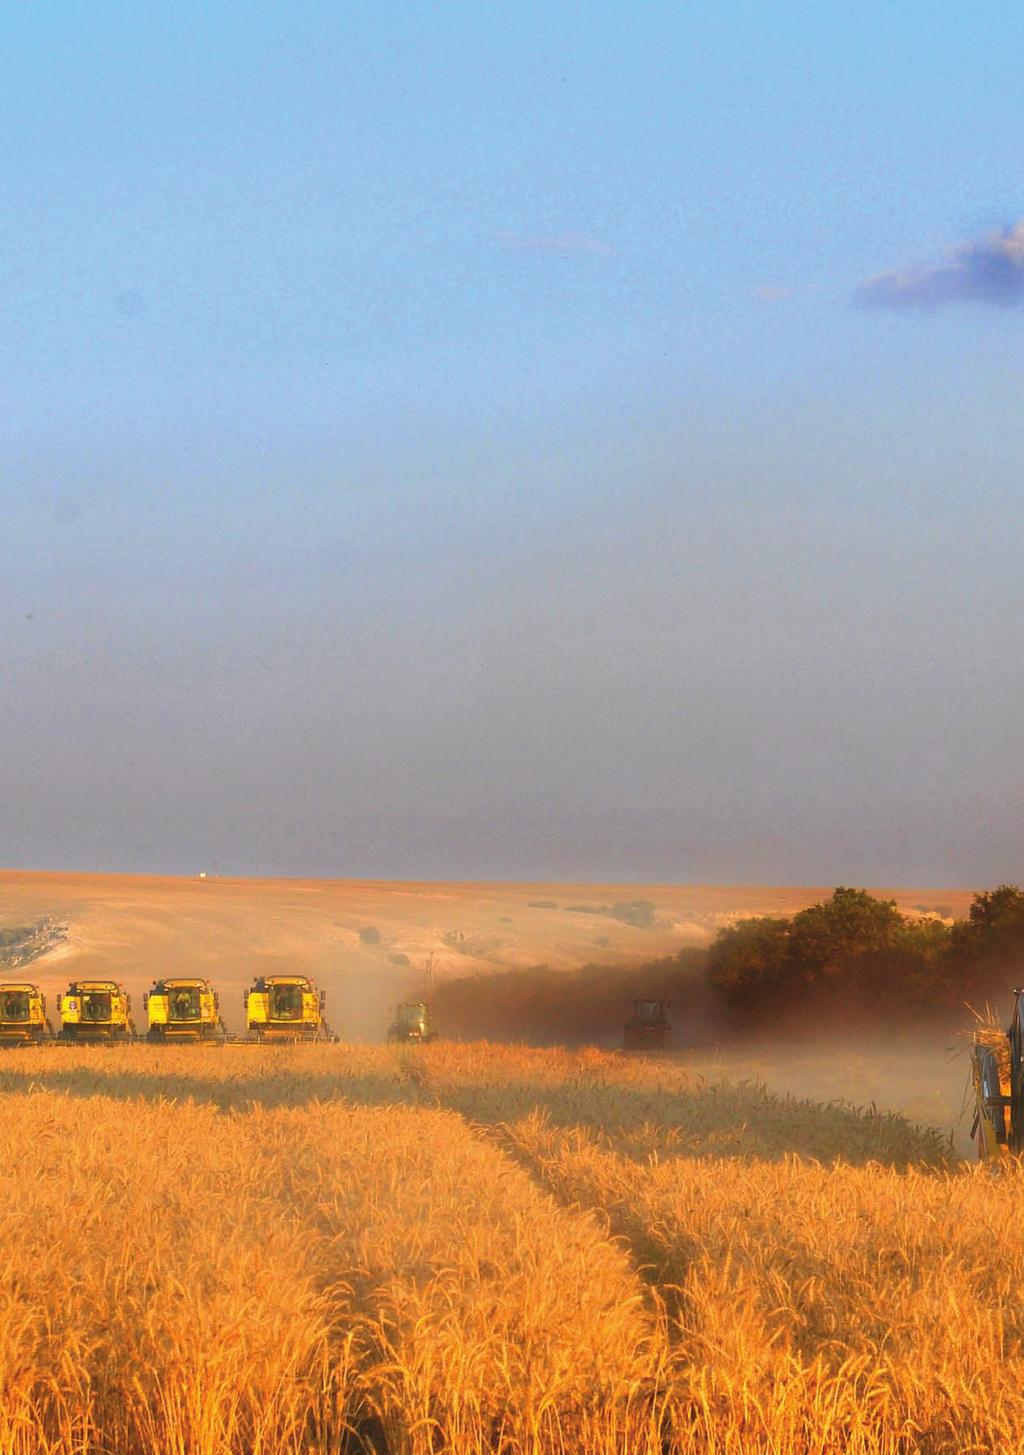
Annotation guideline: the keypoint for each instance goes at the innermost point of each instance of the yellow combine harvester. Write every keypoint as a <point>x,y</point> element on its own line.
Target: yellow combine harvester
<point>997,1071</point>
<point>23,1019</point>
<point>286,1008</point>
<point>96,1010</point>
<point>186,1009</point>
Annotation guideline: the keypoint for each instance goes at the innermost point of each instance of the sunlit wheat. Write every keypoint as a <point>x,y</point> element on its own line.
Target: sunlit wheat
<point>461,1248</point>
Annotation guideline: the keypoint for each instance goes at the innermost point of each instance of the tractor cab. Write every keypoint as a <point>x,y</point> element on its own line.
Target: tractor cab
<point>96,1010</point>
<point>286,1002</point>
<point>183,1009</point>
<point>648,1028</point>
<point>411,1022</point>
<point>22,1014</point>
<point>285,1008</point>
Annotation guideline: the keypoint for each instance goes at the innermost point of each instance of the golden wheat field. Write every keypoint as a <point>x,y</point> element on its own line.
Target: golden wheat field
<point>475,1248</point>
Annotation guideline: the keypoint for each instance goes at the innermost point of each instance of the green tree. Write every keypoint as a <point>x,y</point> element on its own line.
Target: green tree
<point>749,961</point>
<point>991,940</point>
<point>998,911</point>
<point>851,953</point>
<point>826,936</point>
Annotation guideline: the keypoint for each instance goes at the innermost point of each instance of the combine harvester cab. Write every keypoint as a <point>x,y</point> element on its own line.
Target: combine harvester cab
<point>23,1019</point>
<point>184,1010</point>
<point>96,1010</point>
<point>412,1022</point>
<point>286,1008</point>
<point>648,1028</point>
<point>997,1073</point>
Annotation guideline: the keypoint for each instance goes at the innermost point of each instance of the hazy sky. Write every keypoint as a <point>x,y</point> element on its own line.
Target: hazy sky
<point>537,440</point>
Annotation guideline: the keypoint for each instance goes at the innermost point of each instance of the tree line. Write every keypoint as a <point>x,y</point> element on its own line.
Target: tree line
<point>852,958</point>
<point>859,955</point>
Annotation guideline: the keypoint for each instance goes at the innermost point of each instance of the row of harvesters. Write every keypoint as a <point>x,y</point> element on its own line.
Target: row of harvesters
<point>285,1008</point>
<point>277,1008</point>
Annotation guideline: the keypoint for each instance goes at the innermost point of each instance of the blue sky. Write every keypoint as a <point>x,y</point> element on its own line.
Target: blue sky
<point>451,440</point>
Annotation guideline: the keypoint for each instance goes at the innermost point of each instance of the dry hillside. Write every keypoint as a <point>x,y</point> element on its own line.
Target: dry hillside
<point>367,941</point>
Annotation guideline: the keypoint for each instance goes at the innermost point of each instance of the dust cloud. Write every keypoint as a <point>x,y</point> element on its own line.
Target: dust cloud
<point>923,1074</point>
<point>362,1002</point>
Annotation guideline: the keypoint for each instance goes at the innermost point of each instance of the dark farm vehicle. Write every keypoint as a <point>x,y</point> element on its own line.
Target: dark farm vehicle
<point>412,1022</point>
<point>648,1028</point>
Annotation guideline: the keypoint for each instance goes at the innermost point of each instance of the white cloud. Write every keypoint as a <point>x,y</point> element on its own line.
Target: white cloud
<point>989,269</point>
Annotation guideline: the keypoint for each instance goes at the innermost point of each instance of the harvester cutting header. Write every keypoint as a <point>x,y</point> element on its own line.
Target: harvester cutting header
<point>997,1071</point>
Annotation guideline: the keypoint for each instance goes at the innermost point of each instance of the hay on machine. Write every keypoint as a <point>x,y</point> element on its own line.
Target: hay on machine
<point>997,1076</point>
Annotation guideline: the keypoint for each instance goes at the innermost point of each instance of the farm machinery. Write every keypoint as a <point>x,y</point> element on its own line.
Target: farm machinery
<point>279,1008</point>
<point>184,1010</point>
<point>648,1028</point>
<point>96,1010</point>
<point>23,1020</point>
<point>997,1073</point>
<point>286,1008</point>
<point>412,1022</point>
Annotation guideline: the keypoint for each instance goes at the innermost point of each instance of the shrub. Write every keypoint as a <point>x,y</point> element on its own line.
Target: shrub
<point>636,912</point>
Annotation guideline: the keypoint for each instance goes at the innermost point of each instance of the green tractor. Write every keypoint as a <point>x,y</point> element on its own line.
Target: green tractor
<point>648,1028</point>
<point>412,1022</point>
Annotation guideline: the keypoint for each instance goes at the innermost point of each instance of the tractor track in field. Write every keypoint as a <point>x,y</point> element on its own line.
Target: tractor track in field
<point>568,1156</point>
<point>625,1232</point>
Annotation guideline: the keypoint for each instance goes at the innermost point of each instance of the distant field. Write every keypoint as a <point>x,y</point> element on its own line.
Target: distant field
<point>365,941</point>
<point>474,1248</point>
